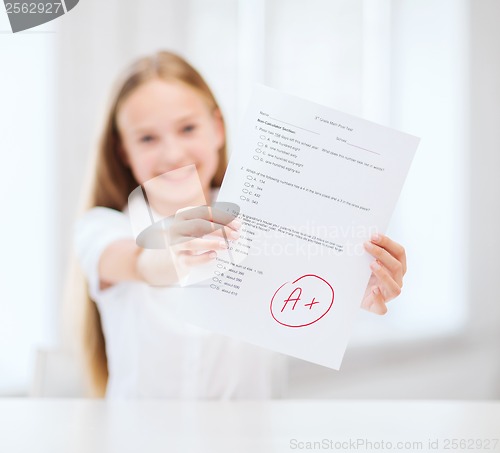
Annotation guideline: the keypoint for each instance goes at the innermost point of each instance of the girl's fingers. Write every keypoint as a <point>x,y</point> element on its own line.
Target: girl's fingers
<point>374,301</point>
<point>395,249</point>
<point>388,287</point>
<point>211,215</point>
<point>197,228</point>
<point>394,266</point>
<point>388,271</point>
<point>378,304</point>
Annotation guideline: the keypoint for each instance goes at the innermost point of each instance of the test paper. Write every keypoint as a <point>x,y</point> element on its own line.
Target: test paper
<point>312,184</point>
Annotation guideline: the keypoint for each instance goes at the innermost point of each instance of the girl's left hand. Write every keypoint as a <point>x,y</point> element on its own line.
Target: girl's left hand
<point>388,270</point>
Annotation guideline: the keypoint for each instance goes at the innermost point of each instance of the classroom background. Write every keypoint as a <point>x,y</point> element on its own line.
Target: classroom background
<point>429,68</point>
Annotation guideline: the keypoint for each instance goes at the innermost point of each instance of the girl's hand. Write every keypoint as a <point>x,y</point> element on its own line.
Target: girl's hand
<point>192,237</point>
<point>388,270</point>
<point>196,234</point>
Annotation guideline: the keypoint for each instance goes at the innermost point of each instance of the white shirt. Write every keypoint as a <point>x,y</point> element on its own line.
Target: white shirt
<point>153,353</point>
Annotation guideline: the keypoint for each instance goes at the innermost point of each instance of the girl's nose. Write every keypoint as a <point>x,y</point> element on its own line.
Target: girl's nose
<point>171,152</point>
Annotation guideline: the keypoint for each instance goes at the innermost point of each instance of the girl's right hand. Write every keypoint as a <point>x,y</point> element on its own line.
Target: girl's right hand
<point>191,238</point>
<point>196,234</point>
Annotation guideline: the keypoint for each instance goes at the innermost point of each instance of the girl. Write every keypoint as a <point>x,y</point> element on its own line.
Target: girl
<point>164,117</point>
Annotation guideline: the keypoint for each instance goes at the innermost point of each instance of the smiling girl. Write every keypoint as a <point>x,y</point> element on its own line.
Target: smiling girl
<point>163,117</point>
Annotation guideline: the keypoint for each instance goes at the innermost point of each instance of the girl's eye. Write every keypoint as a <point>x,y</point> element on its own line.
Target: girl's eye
<point>189,128</point>
<point>147,139</point>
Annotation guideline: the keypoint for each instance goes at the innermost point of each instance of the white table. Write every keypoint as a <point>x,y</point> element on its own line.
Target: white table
<point>93,426</point>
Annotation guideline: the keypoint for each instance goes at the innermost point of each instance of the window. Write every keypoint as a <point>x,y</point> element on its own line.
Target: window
<point>27,303</point>
<point>370,58</point>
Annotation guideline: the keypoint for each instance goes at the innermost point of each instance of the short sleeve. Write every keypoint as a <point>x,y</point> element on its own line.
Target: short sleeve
<point>94,232</point>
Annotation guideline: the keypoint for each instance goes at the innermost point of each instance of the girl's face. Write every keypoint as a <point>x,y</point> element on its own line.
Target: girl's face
<point>165,126</point>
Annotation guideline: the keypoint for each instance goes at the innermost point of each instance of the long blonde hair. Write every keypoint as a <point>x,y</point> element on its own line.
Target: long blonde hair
<point>113,181</point>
